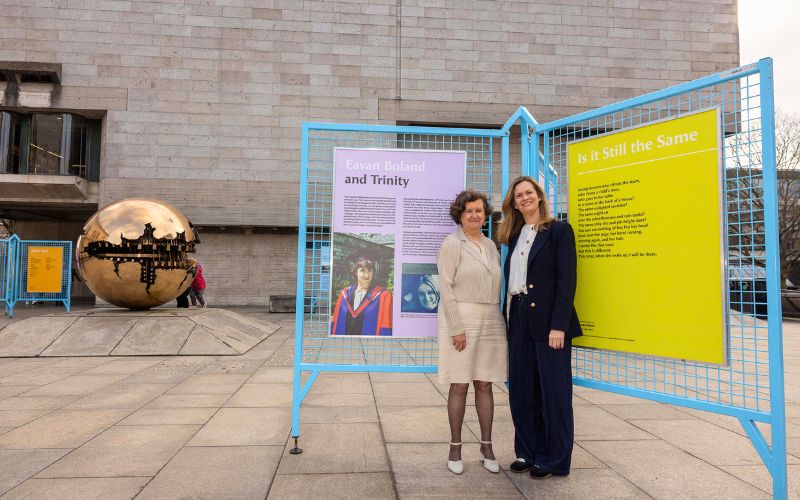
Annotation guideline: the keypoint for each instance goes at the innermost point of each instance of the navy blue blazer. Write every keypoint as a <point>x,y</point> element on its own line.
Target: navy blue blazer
<point>551,282</point>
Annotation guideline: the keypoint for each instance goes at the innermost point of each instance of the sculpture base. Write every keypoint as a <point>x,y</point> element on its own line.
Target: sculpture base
<point>120,332</point>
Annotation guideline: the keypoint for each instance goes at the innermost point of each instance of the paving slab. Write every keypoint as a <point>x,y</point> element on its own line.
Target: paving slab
<point>404,378</point>
<point>155,336</point>
<point>201,341</point>
<point>758,476</point>
<point>662,470</point>
<point>592,422</point>
<point>645,411</point>
<point>36,403</point>
<point>267,374</point>
<point>6,391</point>
<point>213,383</point>
<point>82,362</point>
<point>262,395</point>
<point>169,416</point>
<point>61,429</point>
<point>792,430</point>
<point>18,465</point>
<point>238,340</point>
<point>580,483</point>
<point>16,418</point>
<point>245,427</point>
<point>342,383</point>
<point>251,326</point>
<point>284,355</point>
<point>110,331</point>
<point>16,366</point>
<point>402,424</point>
<point>706,441</point>
<point>168,372</point>
<point>187,401</point>
<point>132,396</point>
<point>337,448</point>
<point>430,459</point>
<point>339,414</point>
<point>793,447</point>
<point>316,398</point>
<point>242,472</point>
<point>408,394</point>
<point>391,427</point>
<point>16,339</point>
<point>124,451</point>
<point>234,365</point>
<point>41,375</point>
<point>122,366</point>
<point>475,483</point>
<point>75,385</point>
<point>79,488</point>
<point>89,337</point>
<point>596,397</point>
<point>366,486</point>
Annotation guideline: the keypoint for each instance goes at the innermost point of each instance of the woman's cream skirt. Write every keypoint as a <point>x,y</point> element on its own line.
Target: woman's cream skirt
<point>486,355</point>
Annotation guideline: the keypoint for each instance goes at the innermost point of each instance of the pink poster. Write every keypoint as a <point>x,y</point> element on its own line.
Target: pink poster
<point>391,211</point>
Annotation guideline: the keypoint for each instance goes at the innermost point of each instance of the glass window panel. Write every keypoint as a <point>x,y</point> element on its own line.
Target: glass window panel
<point>4,119</point>
<point>10,124</point>
<point>78,136</point>
<point>44,155</point>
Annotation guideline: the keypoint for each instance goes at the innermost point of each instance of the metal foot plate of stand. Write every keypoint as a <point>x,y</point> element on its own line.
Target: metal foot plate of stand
<point>295,450</point>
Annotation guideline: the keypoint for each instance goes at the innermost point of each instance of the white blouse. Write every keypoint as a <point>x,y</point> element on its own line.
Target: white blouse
<point>518,274</point>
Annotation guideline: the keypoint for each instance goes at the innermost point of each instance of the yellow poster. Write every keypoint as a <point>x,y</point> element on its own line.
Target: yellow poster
<point>45,269</point>
<point>645,204</point>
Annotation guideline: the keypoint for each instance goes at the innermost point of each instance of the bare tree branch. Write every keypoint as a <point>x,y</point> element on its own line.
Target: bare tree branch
<point>745,202</point>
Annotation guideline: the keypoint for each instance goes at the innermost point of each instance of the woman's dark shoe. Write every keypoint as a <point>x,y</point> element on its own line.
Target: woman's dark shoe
<point>539,473</point>
<point>520,465</point>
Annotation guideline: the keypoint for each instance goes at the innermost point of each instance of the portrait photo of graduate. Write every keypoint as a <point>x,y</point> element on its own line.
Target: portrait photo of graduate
<point>362,284</point>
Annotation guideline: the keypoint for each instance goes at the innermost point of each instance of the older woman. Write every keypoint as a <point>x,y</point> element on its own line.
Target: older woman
<point>540,273</point>
<point>472,337</point>
<point>363,308</point>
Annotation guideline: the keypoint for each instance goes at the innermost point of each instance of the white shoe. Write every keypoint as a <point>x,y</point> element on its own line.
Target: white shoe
<point>488,463</point>
<point>457,466</point>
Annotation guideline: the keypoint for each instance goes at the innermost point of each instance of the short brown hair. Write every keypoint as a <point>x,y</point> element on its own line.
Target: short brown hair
<point>362,262</point>
<point>460,204</point>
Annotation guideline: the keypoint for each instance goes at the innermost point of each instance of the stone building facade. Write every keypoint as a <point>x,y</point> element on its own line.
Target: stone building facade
<point>200,102</point>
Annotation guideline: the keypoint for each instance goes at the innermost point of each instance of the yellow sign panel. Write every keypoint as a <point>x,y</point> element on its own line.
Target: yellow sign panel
<point>645,206</point>
<point>45,269</point>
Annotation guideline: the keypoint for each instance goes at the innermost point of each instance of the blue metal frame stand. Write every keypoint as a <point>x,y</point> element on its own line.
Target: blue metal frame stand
<point>739,389</point>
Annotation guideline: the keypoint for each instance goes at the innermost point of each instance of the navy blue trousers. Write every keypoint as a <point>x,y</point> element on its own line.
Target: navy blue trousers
<point>540,395</point>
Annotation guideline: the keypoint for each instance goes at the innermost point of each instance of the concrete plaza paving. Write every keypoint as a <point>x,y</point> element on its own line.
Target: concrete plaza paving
<point>216,427</point>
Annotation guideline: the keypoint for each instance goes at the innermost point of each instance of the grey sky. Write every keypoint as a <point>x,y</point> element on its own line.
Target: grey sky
<point>771,28</point>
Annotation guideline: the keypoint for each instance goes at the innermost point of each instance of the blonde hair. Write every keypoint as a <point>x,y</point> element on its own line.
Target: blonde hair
<point>512,221</point>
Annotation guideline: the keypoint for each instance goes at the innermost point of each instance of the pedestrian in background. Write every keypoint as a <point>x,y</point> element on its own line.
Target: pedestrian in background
<point>197,288</point>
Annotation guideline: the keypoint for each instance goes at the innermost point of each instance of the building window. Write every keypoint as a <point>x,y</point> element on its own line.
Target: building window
<point>10,151</point>
<point>49,144</point>
<point>45,153</point>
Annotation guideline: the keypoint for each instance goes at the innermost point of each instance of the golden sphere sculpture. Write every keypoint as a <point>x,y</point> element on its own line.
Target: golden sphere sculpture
<point>134,253</point>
